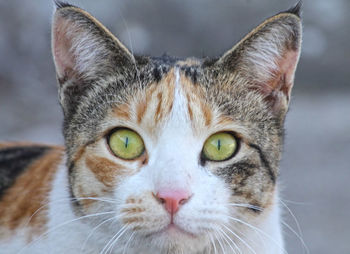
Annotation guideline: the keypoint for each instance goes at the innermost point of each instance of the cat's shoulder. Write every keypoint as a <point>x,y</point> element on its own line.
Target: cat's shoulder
<point>17,159</point>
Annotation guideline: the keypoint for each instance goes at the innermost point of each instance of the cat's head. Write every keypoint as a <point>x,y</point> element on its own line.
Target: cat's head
<point>180,150</point>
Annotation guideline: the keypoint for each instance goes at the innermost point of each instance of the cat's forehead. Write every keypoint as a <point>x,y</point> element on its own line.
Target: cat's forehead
<point>175,99</point>
<point>183,93</point>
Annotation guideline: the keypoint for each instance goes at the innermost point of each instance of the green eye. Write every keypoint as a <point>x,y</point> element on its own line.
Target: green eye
<point>126,144</point>
<point>219,146</point>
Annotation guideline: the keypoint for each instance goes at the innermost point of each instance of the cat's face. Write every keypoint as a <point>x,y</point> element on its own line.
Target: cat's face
<point>179,150</point>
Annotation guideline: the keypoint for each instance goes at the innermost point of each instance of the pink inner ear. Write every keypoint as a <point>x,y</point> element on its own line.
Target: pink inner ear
<point>283,77</point>
<point>62,44</point>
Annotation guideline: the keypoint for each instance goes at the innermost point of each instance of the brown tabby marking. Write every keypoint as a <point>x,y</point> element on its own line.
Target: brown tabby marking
<point>141,109</point>
<point>189,109</point>
<point>133,201</point>
<point>133,210</point>
<point>122,111</point>
<point>155,103</point>
<point>89,197</point>
<point>77,156</point>
<point>29,194</point>
<point>207,113</point>
<point>224,120</point>
<point>158,114</point>
<point>105,170</point>
<point>142,106</point>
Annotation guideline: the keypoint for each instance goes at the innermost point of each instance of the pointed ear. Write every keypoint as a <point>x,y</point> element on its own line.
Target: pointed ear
<point>267,58</point>
<point>83,48</point>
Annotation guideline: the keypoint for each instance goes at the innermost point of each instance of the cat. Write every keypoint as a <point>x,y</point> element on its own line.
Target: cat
<point>161,155</point>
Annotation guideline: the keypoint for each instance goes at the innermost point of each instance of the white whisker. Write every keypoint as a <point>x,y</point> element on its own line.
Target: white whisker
<point>127,243</point>
<point>234,244</point>
<point>213,244</point>
<point>219,241</point>
<point>300,235</point>
<point>260,231</point>
<point>239,238</point>
<point>61,225</point>
<point>116,240</point>
<point>295,202</point>
<point>113,240</point>
<point>94,229</point>
<point>66,199</point>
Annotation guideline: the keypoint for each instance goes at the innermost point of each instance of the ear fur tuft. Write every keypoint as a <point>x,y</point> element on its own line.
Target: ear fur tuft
<point>61,4</point>
<point>297,9</point>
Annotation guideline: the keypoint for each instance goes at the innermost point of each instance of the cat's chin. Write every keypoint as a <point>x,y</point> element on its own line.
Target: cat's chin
<point>173,235</point>
<point>174,239</point>
<point>174,231</point>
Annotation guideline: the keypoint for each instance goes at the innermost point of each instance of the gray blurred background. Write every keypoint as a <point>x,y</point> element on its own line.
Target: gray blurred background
<point>315,170</point>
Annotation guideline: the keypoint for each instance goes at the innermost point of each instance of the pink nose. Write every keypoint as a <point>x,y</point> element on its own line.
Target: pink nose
<point>172,199</point>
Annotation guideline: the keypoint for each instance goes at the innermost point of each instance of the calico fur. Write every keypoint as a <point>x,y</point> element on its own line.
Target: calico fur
<point>84,199</point>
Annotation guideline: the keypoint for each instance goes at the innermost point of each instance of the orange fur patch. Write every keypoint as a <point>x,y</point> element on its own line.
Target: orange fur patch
<point>158,114</point>
<point>29,195</point>
<point>142,106</point>
<point>79,154</point>
<point>122,111</point>
<point>155,103</point>
<point>87,202</point>
<point>141,109</point>
<point>224,120</point>
<point>207,114</point>
<point>190,113</point>
<point>105,170</point>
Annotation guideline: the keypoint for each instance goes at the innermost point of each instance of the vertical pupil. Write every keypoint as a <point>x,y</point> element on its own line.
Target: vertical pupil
<point>126,142</point>
<point>219,144</point>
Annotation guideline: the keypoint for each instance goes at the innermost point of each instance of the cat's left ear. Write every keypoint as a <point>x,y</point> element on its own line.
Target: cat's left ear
<point>267,58</point>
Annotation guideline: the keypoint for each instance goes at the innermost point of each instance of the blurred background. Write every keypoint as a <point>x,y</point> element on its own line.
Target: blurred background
<point>315,169</point>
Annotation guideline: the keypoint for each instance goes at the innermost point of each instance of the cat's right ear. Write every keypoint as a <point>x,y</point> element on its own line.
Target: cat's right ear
<point>83,49</point>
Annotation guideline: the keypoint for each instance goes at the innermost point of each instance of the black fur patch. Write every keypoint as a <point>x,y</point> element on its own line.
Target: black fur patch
<point>165,60</point>
<point>14,161</point>
<point>190,72</point>
<point>162,65</point>
<point>61,4</point>
<point>157,74</point>
<point>209,62</point>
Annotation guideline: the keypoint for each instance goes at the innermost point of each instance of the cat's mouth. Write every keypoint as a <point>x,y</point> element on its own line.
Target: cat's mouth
<point>172,231</point>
